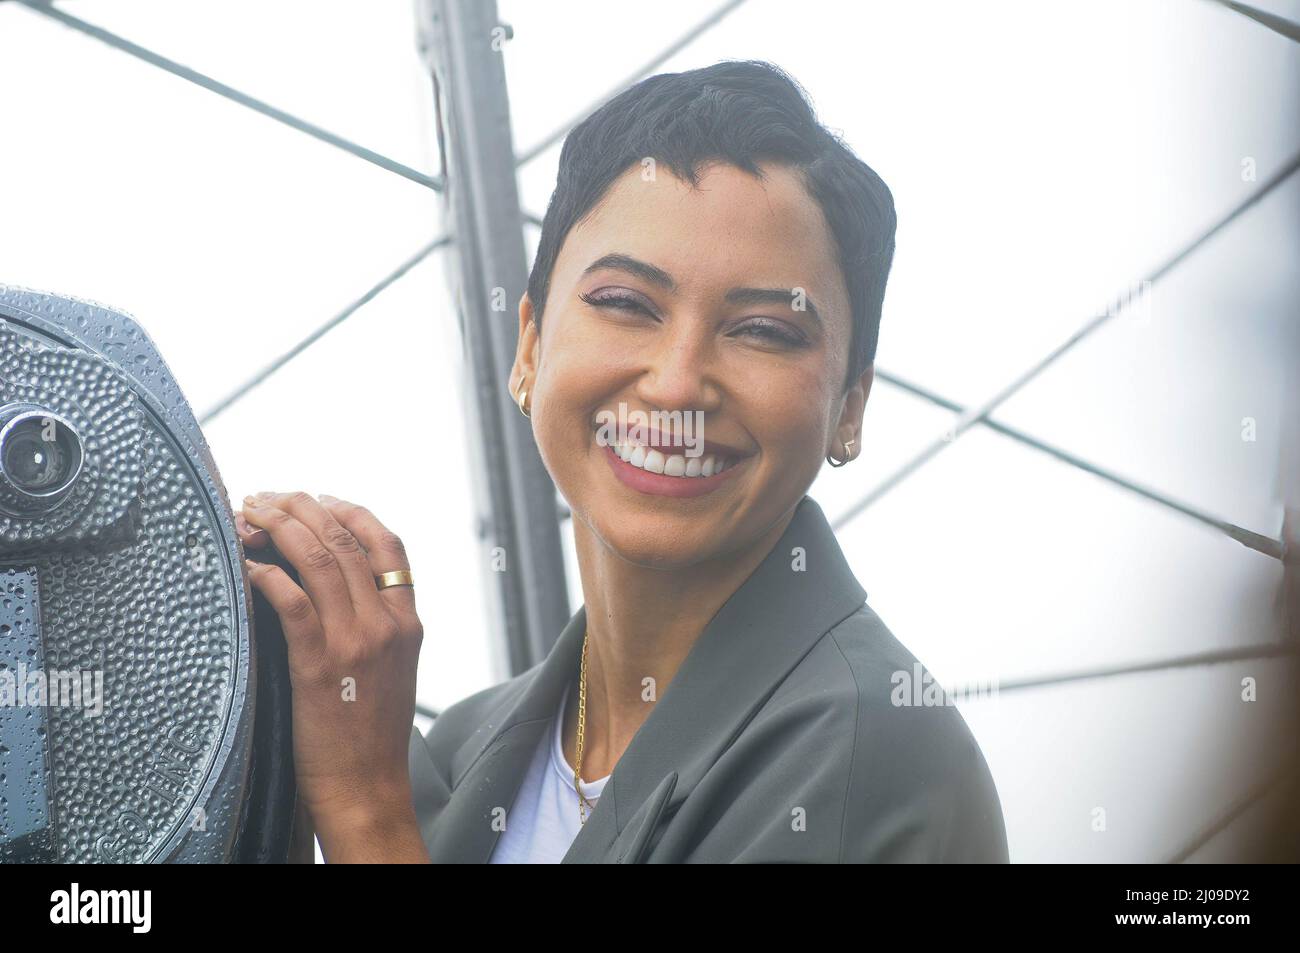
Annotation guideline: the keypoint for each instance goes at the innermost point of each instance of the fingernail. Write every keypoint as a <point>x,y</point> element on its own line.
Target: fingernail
<point>251,501</point>
<point>247,528</point>
<point>326,498</point>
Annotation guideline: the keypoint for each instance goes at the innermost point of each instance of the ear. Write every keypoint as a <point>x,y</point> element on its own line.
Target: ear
<point>849,426</point>
<point>527,350</point>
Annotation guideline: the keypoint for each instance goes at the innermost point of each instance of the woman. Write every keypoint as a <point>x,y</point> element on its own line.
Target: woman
<point>714,256</point>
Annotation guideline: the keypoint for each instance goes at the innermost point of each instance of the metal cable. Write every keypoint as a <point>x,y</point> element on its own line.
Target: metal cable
<point>1220,824</point>
<point>45,8</point>
<point>976,415</point>
<point>1267,650</point>
<point>212,412</point>
<point>528,155</point>
<point>1256,541</point>
<point>1277,24</point>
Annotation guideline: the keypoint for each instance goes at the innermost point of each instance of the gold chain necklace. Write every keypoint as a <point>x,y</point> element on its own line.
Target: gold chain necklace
<point>583,804</point>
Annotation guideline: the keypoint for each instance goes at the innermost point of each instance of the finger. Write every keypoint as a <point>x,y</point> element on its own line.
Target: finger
<point>346,549</point>
<point>303,634</point>
<point>251,536</point>
<point>383,547</point>
<point>316,565</point>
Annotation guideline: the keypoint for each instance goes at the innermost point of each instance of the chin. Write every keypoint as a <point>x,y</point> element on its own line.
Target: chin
<point>655,542</point>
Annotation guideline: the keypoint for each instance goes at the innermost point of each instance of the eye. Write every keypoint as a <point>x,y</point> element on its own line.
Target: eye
<point>615,300</point>
<point>771,332</point>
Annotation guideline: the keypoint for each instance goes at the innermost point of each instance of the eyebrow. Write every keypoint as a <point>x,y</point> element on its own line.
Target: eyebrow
<point>642,269</point>
<point>772,296</point>
<point>657,276</point>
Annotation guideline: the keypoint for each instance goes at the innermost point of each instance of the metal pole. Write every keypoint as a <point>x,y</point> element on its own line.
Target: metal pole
<point>461,43</point>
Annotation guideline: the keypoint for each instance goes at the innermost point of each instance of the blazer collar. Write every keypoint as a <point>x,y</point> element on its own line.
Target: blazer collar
<point>488,769</point>
<point>802,589</point>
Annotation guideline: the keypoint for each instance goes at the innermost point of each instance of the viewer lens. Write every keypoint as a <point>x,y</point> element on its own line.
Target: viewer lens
<point>40,455</point>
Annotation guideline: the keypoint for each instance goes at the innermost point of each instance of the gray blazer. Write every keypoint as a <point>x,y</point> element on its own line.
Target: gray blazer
<point>779,740</point>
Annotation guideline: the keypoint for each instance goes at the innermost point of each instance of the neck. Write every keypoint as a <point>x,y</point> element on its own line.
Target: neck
<point>641,624</point>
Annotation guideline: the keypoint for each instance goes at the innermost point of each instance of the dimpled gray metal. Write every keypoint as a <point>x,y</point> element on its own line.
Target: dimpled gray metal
<point>160,630</point>
<point>99,404</point>
<point>25,825</point>
<point>137,583</point>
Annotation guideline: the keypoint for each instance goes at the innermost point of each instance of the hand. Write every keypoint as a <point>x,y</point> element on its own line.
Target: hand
<point>353,651</point>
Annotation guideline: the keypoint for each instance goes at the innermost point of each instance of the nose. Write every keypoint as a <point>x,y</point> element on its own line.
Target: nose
<point>679,372</point>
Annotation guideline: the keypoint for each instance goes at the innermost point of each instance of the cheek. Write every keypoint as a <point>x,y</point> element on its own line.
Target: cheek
<point>790,414</point>
<point>572,378</point>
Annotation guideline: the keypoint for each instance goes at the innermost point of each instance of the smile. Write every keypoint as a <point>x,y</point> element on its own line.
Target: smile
<point>651,470</point>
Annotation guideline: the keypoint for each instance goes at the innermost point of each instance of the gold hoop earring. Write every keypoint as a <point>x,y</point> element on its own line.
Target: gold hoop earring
<point>522,396</point>
<point>848,454</point>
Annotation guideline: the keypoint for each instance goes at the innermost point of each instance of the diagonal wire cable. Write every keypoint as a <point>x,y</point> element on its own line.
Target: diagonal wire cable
<point>1236,810</point>
<point>1256,541</point>
<point>212,412</point>
<point>977,414</point>
<point>528,155</point>
<point>45,8</point>
<point>1279,25</point>
<point>1246,653</point>
<point>1219,656</point>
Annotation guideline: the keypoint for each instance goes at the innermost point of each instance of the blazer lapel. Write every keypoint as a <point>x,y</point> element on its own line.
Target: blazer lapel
<point>488,769</point>
<point>801,590</point>
<point>601,840</point>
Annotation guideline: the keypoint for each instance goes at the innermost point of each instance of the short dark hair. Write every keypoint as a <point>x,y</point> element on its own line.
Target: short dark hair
<point>741,112</point>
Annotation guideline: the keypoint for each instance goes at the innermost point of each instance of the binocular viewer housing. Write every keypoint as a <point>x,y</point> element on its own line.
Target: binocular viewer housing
<point>143,715</point>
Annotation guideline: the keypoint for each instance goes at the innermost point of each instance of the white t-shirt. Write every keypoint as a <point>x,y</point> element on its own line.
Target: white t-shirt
<point>543,821</point>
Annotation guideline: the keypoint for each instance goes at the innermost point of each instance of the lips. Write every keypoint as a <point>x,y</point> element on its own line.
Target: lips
<point>663,470</point>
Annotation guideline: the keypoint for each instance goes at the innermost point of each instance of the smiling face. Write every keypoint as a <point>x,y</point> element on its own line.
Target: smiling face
<point>724,303</point>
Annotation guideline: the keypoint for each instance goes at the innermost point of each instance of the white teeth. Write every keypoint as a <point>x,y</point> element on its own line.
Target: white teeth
<point>677,465</point>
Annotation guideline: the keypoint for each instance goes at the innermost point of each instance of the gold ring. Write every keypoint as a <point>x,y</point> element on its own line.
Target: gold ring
<point>398,577</point>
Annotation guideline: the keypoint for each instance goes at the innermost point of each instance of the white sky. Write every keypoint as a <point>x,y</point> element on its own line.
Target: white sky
<point>1042,156</point>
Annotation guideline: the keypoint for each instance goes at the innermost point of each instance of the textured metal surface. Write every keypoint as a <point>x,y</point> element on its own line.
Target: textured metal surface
<point>138,580</point>
<point>26,819</point>
<point>99,404</point>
